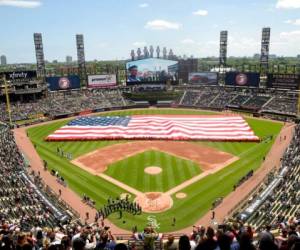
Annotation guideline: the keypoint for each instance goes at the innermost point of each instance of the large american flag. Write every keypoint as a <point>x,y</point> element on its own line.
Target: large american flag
<point>163,127</point>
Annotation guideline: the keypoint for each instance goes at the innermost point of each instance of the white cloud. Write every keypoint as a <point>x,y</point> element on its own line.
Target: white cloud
<point>162,25</point>
<point>294,22</point>
<point>188,41</point>
<point>290,36</point>
<point>21,3</point>
<point>288,4</point>
<point>200,13</point>
<point>144,5</point>
<point>139,44</point>
<point>286,43</point>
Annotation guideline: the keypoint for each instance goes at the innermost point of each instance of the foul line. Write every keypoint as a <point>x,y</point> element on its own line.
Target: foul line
<point>200,176</point>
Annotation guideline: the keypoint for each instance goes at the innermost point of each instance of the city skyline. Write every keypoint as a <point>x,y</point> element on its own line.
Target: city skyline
<point>112,28</point>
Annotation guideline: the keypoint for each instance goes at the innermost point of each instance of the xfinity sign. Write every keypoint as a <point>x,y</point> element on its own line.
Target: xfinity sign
<point>20,75</point>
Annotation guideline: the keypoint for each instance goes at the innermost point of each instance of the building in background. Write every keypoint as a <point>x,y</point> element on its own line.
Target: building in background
<point>69,59</point>
<point>3,60</point>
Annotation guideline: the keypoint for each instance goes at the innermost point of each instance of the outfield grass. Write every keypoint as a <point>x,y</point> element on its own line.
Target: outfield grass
<point>175,171</point>
<point>200,195</point>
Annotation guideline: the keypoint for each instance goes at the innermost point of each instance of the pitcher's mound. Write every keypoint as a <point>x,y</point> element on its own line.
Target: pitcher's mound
<point>153,170</point>
<point>154,202</point>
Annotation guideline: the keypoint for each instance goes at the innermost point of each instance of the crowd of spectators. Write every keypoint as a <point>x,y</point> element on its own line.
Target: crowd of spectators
<point>284,103</point>
<point>282,206</point>
<point>239,236</point>
<point>60,103</point>
<point>215,97</point>
<point>24,200</point>
<point>258,100</point>
<point>228,236</point>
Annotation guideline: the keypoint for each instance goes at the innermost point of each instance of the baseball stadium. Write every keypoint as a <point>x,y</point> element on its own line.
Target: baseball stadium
<point>154,151</point>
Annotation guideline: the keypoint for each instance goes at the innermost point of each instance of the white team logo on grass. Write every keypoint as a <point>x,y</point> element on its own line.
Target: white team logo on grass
<point>152,222</point>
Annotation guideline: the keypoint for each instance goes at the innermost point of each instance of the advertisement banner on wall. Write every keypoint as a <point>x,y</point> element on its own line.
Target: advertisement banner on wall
<point>102,81</point>
<point>249,79</point>
<point>20,75</point>
<point>63,83</point>
<point>283,81</point>
<point>203,78</point>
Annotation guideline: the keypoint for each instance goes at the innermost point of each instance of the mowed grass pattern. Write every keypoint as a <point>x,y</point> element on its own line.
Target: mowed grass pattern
<point>175,170</point>
<point>200,195</point>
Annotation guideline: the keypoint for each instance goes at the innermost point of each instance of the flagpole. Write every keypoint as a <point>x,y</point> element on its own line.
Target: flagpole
<point>7,100</point>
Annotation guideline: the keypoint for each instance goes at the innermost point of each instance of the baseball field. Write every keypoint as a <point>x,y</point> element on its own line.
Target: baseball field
<point>192,174</point>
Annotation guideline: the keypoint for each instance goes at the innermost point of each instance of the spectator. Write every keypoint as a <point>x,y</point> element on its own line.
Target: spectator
<point>246,242</point>
<point>184,243</point>
<point>170,244</point>
<point>209,243</point>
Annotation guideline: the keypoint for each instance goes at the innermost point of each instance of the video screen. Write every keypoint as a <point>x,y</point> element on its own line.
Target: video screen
<point>203,78</point>
<point>242,79</point>
<point>151,70</point>
<point>63,83</point>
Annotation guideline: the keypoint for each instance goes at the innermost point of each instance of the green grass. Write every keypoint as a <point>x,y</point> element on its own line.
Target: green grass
<point>175,170</point>
<point>200,195</point>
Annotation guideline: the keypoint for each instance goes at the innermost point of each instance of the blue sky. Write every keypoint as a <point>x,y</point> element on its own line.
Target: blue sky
<point>112,28</point>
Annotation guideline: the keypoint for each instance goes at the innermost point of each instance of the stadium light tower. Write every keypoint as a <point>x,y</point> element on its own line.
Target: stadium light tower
<point>81,57</point>
<point>223,47</point>
<point>265,48</point>
<point>39,52</point>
